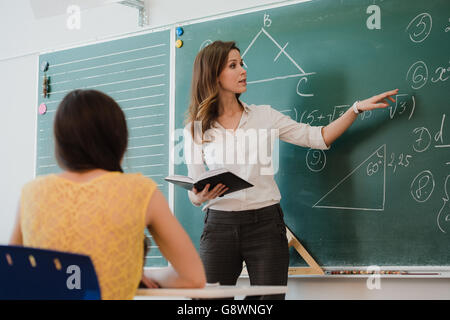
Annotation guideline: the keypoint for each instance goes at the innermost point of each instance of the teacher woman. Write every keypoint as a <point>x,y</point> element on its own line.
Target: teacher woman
<point>245,226</point>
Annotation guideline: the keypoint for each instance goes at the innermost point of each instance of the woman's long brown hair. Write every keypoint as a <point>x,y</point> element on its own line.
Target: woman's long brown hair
<point>204,104</point>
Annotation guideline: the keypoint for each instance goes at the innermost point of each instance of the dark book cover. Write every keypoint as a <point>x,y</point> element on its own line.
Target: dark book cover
<point>229,179</point>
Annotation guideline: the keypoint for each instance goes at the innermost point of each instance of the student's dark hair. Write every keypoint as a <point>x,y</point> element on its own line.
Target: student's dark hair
<point>90,132</point>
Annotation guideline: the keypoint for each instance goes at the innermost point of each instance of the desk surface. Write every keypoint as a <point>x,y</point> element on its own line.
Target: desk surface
<point>214,291</point>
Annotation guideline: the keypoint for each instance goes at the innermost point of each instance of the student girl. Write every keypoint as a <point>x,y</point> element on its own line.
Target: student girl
<point>95,209</point>
<point>244,226</point>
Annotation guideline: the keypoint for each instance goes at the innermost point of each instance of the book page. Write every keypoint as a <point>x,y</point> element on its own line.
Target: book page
<point>212,173</point>
<point>180,178</point>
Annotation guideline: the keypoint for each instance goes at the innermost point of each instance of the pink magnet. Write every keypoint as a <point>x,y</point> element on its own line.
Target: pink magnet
<point>42,108</point>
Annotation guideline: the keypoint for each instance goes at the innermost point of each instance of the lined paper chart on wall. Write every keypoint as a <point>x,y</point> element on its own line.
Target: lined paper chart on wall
<point>135,71</point>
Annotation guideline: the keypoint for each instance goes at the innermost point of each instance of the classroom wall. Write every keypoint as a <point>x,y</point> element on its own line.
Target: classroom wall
<point>21,40</point>
<point>17,131</point>
<point>26,36</point>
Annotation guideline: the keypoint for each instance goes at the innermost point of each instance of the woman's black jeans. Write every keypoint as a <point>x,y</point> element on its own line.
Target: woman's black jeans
<point>256,237</point>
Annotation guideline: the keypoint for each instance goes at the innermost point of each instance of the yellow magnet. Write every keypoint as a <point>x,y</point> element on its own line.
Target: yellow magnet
<point>179,43</point>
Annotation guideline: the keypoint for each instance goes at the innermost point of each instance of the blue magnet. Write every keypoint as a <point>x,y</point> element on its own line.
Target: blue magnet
<point>44,66</point>
<point>179,31</point>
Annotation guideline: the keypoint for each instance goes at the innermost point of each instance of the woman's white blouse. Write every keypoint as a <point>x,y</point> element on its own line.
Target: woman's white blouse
<point>251,152</point>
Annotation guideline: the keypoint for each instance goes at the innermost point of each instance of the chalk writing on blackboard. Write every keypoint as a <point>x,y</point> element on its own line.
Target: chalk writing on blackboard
<point>316,160</point>
<point>267,20</point>
<point>422,186</point>
<point>443,217</point>
<point>402,160</point>
<point>301,73</point>
<point>373,166</point>
<point>420,27</point>
<point>417,74</point>
<point>440,74</point>
<point>402,103</point>
<point>424,138</point>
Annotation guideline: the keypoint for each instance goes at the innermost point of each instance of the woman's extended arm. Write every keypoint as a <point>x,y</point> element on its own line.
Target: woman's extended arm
<point>336,128</point>
<point>186,270</point>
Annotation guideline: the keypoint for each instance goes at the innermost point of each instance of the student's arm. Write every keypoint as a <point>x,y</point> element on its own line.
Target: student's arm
<point>186,270</point>
<point>16,237</point>
<point>336,128</point>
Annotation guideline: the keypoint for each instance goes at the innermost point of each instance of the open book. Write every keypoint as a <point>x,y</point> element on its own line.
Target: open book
<point>213,177</point>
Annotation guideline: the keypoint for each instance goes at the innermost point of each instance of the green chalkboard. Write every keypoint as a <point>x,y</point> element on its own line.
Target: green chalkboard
<point>135,71</point>
<point>380,195</point>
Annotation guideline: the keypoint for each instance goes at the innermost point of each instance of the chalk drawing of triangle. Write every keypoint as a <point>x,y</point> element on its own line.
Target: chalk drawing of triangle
<point>362,189</point>
<point>266,60</point>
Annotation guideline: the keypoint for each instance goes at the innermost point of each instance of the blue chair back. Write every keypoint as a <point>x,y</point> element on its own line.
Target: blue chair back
<point>37,274</point>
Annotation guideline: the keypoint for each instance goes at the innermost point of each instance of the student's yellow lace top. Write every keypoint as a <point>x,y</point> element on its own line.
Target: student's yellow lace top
<point>103,218</point>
